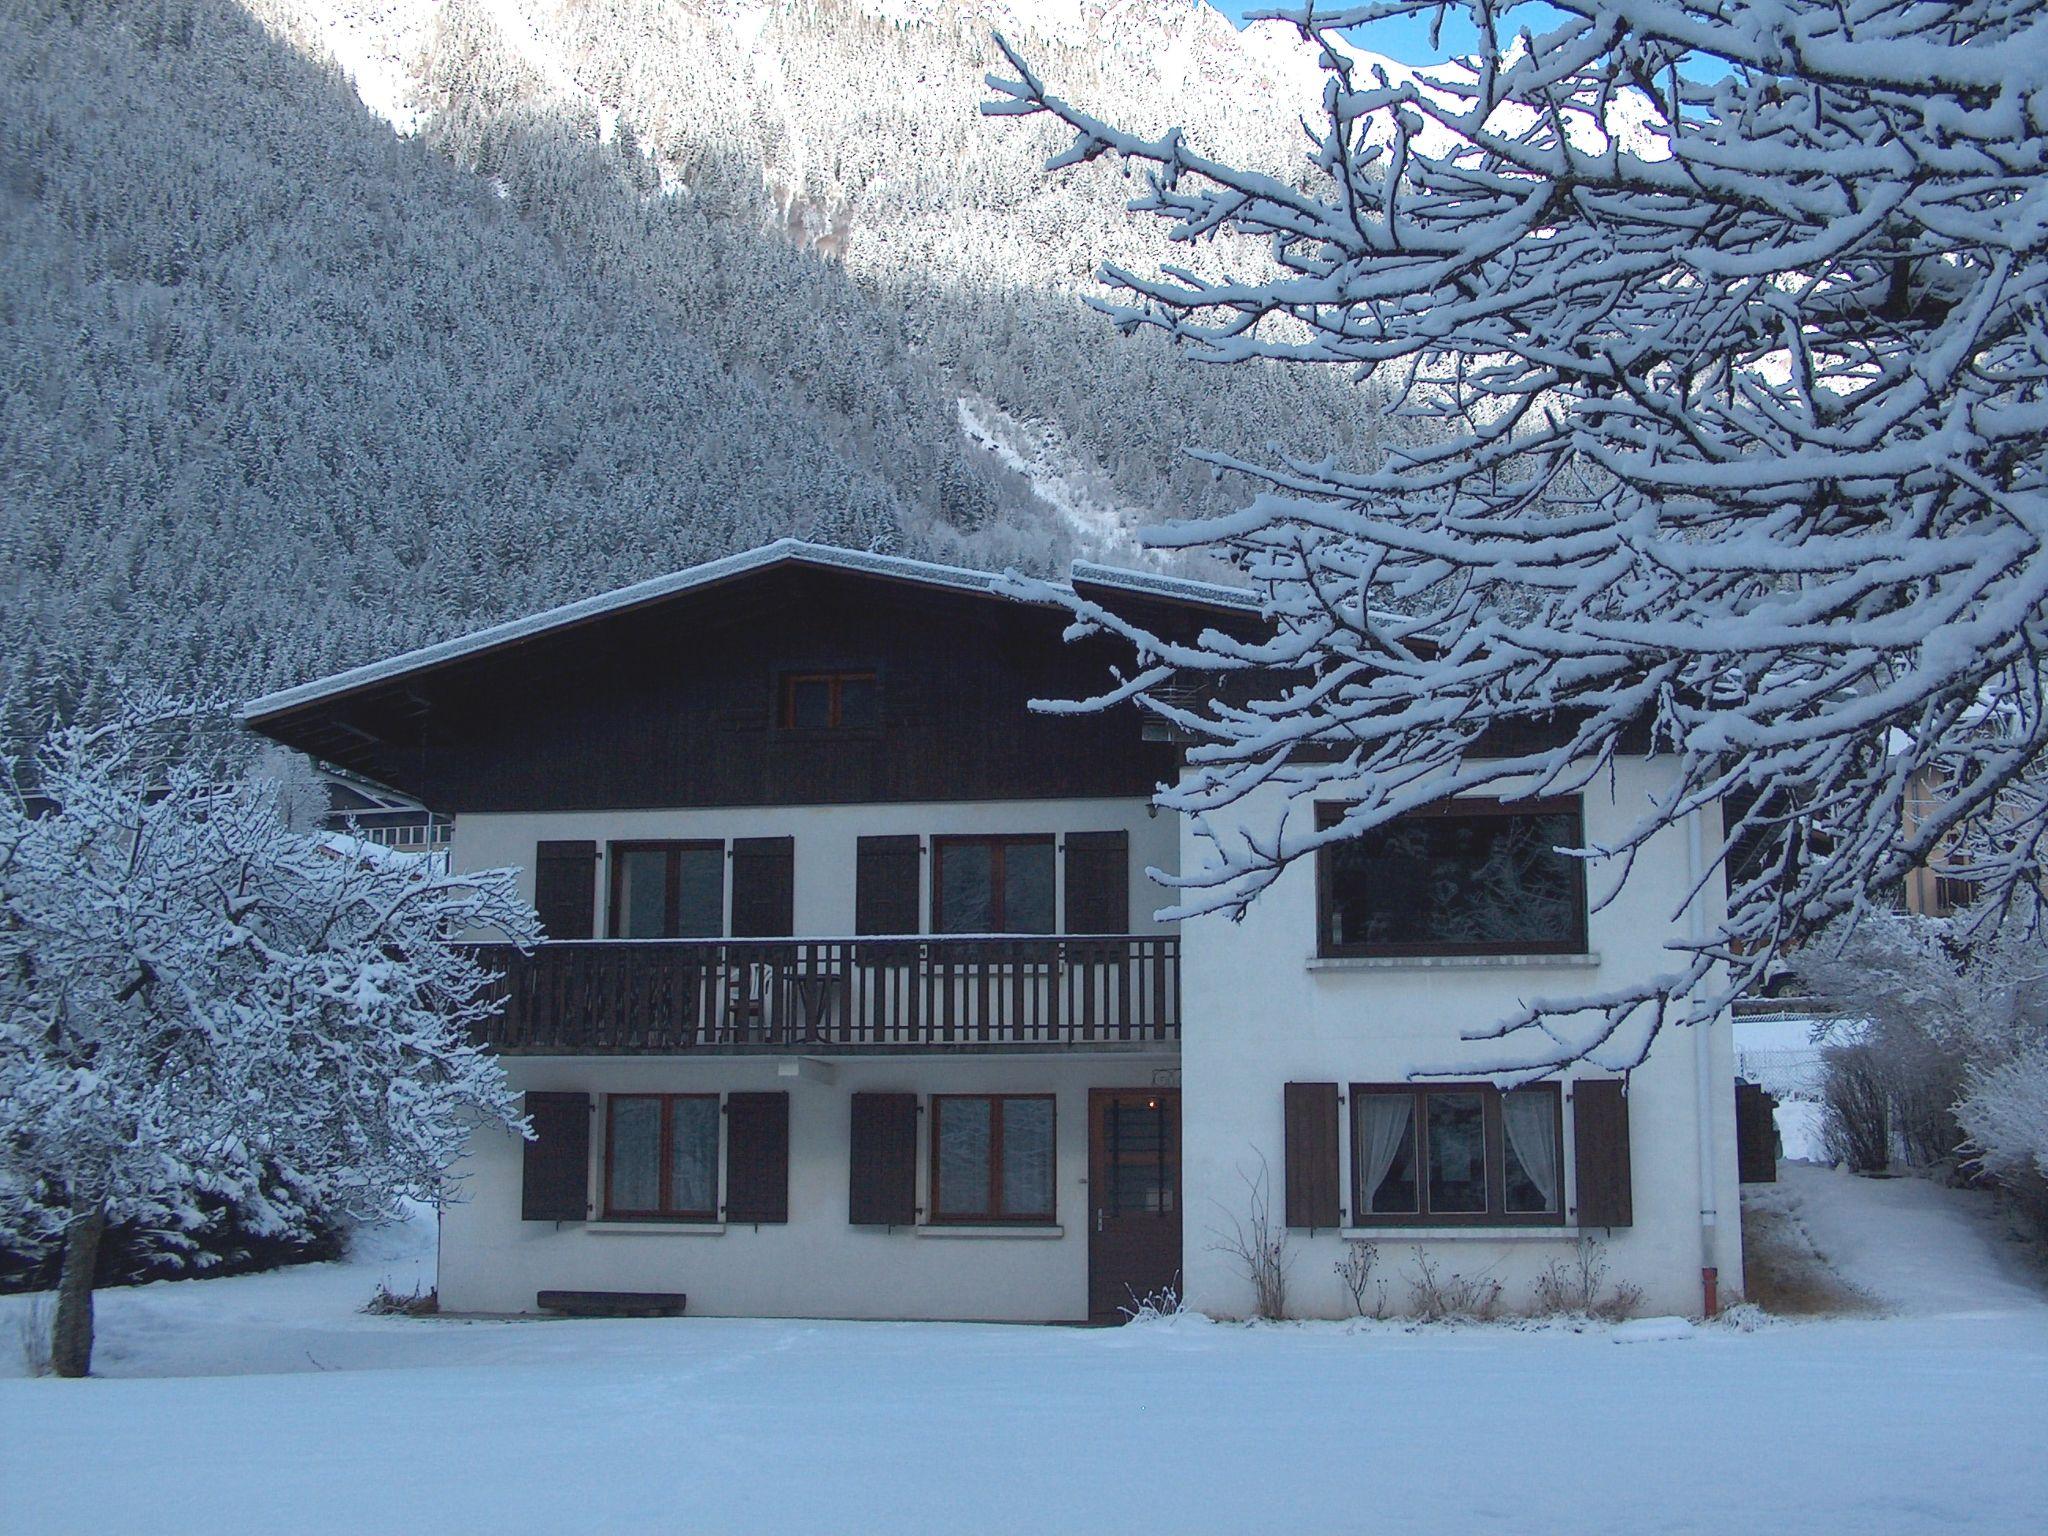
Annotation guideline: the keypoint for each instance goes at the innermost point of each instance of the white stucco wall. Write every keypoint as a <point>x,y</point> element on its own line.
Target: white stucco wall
<point>817,1264</point>
<point>826,841</point>
<point>1258,1015</point>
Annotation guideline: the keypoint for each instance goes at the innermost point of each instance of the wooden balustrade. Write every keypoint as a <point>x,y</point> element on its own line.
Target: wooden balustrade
<point>880,994</point>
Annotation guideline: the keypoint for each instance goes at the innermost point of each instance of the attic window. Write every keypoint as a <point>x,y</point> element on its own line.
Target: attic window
<point>830,701</point>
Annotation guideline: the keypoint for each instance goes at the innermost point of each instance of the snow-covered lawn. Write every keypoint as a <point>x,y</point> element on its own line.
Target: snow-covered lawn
<point>268,1404</point>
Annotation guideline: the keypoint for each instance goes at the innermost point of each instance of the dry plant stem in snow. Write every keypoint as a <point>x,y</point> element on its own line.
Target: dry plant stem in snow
<point>1439,1298</point>
<point>1355,1269</point>
<point>1258,1245</point>
<point>1577,1287</point>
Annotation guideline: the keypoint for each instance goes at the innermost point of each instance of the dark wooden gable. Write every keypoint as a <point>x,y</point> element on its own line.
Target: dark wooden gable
<point>678,704</point>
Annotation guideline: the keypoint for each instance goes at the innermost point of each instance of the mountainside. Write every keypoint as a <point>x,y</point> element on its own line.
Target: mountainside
<point>328,328</point>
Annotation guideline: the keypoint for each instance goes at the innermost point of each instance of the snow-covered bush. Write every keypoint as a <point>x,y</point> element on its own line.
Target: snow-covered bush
<point>1950,1055</point>
<point>1726,317</point>
<point>198,1004</point>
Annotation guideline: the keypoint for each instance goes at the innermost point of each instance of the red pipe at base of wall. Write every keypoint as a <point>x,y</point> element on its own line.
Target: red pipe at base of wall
<point>1710,1284</point>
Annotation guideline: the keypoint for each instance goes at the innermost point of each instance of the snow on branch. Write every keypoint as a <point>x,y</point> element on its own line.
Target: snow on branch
<point>1720,335</point>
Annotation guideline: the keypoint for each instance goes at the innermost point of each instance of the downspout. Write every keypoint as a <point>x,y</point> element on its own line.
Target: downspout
<point>1703,1063</point>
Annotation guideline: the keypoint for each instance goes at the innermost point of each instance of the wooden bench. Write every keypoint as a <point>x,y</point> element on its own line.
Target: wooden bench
<point>613,1303</point>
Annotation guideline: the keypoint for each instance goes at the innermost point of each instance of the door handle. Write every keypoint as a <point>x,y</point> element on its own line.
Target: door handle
<point>1098,1218</point>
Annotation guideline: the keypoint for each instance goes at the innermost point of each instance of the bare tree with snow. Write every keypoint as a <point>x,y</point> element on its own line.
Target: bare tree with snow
<point>195,1000</point>
<point>1730,322</point>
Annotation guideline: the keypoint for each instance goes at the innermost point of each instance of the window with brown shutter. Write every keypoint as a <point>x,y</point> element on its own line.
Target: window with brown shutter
<point>882,1160</point>
<point>555,1179</point>
<point>757,1157</point>
<point>565,888</point>
<point>1311,1130</point>
<point>1098,896</point>
<point>763,887</point>
<point>885,885</point>
<point>1456,1154</point>
<point>1600,1144</point>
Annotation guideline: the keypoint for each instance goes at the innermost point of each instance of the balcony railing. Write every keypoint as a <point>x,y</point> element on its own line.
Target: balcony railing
<point>967,993</point>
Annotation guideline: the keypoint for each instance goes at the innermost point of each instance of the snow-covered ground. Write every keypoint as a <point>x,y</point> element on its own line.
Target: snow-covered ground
<point>267,1403</point>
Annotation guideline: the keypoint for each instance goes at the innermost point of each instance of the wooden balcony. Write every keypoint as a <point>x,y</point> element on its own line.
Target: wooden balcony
<point>839,995</point>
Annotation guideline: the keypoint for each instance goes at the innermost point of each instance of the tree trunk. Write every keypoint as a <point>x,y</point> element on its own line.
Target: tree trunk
<point>71,1336</point>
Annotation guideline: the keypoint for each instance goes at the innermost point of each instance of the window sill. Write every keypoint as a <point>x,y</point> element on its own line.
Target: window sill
<point>657,1228</point>
<point>947,1230</point>
<point>1556,1234</point>
<point>1451,962</point>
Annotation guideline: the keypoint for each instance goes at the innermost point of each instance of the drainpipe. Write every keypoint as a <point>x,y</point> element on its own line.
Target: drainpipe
<point>1703,1079</point>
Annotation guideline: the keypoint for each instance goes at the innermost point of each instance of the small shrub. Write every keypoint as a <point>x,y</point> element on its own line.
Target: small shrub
<point>1856,1104</point>
<point>1258,1245</point>
<point>1155,1307</point>
<point>415,1303</point>
<point>32,1327</point>
<point>1578,1287</point>
<point>1355,1270</point>
<point>1441,1298</point>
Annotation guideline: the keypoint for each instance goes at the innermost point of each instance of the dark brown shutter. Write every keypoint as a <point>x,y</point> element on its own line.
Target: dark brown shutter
<point>1600,1142</point>
<point>757,1157</point>
<point>1312,1155</point>
<point>763,887</point>
<point>885,885</point>
<point>555,1185</point>
<point>565,889</point>
<point>1098,882</point>
<point>882,1160</point>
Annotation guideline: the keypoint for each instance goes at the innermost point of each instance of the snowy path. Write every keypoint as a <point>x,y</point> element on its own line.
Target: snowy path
<point>356,1424</point>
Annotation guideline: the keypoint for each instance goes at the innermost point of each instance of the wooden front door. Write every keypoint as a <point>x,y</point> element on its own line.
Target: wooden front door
<point>1134,1197</point>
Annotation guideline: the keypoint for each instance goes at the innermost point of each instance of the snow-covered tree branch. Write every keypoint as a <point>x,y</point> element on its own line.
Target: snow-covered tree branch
<point>1738,445</point>
<point>194,1000</point>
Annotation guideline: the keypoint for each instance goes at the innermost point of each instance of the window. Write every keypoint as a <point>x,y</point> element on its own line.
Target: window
<point>830,701</point>
<point>668,890</point>
<point>992,885</point>
<point>992,1157</point>
<point>1445,1155</point>
<point>1476,878</point>
<point>661,1157</point>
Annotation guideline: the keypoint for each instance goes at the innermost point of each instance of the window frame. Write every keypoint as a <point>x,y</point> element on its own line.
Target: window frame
<point>1496,1213</point>
<point>1578,942</point>
<point>992,1214</point>
<point>664,1212</point>
<point>671,884</point>
<point>835,678</point>
<point>997,843</point>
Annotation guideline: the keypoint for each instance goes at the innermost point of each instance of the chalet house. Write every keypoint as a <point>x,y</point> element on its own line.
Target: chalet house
<point>853,1003</point>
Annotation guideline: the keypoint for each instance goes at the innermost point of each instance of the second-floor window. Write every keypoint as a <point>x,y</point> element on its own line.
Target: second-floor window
<point>830,701</point>
<point>668,890</point>
<point>992,885</point>
<point>1473,877</point>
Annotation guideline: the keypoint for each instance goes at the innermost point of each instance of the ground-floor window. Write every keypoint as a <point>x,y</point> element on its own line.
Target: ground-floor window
<point>992,1157</point>
<point>1453,1153</point>
<point>661,1156</point>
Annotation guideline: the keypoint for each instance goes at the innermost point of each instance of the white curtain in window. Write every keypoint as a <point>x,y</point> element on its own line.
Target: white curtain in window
<point>1531,1120</point>
<point>1386,1131</point>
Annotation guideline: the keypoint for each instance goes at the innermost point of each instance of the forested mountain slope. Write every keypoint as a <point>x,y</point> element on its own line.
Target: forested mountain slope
<point>283,387</point>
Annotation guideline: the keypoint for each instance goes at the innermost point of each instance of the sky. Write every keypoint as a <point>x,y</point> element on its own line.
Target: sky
<point>1406,39</point>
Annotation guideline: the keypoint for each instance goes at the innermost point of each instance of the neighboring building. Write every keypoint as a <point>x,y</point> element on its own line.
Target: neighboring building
<point>378,814</point>
<point>854,1005</point>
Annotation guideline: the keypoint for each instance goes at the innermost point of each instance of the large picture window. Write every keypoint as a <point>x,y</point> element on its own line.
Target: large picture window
<point>1473,878</point>
<point>668,890</point>
<point>1447,1155</point>
<point>992,1157</point>
<point>661,1157</point>
<point>992,885</point>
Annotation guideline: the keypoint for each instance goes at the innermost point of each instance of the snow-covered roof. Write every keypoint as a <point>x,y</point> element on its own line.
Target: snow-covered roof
<point>781,552</point>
